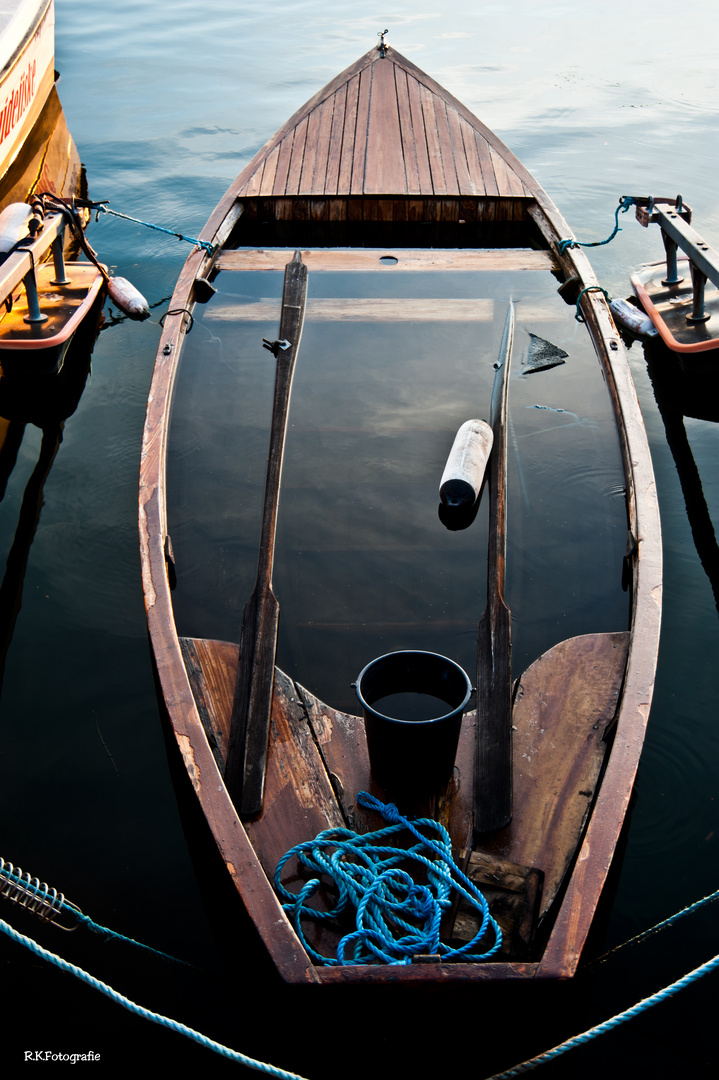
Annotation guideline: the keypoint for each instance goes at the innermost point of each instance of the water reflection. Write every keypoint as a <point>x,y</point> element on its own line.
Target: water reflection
<point>688,388</point>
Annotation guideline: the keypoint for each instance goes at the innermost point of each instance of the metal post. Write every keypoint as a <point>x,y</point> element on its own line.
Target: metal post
<point>58,257</point>
<point>670,247</point>
<point>699,280</point>
<point>34,315</point>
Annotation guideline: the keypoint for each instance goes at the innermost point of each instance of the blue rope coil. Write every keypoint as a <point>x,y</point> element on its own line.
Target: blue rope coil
<point>396,917</point>
<point>624,203</point>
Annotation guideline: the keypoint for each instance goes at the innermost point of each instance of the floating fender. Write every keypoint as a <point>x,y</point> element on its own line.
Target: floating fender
<point>632,318</point>
<point>125,296</point>
<point>463,474</point>
<point>13,225</point>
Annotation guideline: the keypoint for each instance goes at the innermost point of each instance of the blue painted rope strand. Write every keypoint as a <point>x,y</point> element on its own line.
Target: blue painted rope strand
<point>613,1022</point>
<point>139,1010</point>
<point>100,208</point>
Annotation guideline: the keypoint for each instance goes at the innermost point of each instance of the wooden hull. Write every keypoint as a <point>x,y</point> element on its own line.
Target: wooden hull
<point>27,53</point>
<point>322,176</point>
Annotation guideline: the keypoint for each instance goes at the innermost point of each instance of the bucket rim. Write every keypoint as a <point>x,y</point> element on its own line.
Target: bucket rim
<point>457,710</point>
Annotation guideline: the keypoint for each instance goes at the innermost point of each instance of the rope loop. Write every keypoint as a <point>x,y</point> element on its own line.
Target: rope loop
<point>624,203</point>
<point>590,288</point>
<point>396,894</point>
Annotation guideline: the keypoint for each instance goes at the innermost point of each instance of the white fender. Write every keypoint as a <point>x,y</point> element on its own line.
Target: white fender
<point>463,474</point>
<point>13,224</point>
<point>125,296</point>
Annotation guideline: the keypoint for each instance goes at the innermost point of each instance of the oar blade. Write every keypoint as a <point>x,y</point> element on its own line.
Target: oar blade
<point>247,752</point>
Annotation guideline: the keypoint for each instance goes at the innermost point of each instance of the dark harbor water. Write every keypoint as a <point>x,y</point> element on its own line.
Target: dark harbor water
<point>166,102</point>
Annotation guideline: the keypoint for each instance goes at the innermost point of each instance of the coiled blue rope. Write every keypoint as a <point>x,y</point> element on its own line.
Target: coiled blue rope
<point>396,918</point>
<point>624,203</point>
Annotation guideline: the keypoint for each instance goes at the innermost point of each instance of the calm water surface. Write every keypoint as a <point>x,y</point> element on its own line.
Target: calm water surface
<point>166,102</point>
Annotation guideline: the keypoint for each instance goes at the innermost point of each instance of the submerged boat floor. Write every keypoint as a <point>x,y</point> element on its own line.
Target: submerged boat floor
<point>317,762</point>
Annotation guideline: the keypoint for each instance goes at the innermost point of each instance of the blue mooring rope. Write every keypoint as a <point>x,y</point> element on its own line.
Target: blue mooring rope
<point>101,208</point>
<point>395,917</point>
<point>624,203</point>
<point>609,1025</point>
<point>139,1010</point>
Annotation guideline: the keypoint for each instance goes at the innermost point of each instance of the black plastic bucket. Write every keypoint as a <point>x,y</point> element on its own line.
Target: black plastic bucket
<point>412,704</point>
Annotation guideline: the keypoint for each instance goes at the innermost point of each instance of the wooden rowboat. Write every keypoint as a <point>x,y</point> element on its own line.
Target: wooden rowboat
<point>392,189</point>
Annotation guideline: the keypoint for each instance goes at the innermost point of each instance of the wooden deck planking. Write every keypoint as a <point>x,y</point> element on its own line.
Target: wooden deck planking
<point>384,169</point>
<point>334,150</point>
<point>310,154</point>
<point>322,148</point>
<point>409,140</point>
<point>360,146</point>
<point>385,130</point>
<point>268,176</point>
<point>447,149</point>
<point>344,182</point>
<point>485,164</point>
<point>420,138</point>
<point>298,153</point>
<point>433,147</point>
<point>466,184</point>
<point>283,164</point>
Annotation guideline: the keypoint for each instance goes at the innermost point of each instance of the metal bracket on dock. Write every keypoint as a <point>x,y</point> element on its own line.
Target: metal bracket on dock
<point>20,263</point>
<point>674,217</point>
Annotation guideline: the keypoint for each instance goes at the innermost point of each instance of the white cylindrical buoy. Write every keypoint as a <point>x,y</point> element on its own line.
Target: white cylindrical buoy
<point>125,296</point>
<point>463,474</point>
<point>632,318</point>
<point>13,224</point>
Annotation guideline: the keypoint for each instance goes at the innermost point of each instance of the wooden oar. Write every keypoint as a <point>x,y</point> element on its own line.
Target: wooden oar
<point>493,772</point>
<point>250,725</point>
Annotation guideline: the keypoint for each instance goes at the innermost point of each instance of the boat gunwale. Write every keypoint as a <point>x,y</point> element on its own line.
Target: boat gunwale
<point>562,952</point>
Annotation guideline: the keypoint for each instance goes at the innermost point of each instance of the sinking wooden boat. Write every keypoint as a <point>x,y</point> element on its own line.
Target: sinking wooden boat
<point>414,226</point>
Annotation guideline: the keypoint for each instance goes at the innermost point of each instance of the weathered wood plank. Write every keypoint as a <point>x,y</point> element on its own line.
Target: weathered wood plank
<point>461,165</point>
<point>485,163</point>
<point>283,165</point>
<point>344,181</point>
<point>439,184</point>
<point>419,135</point>
<point>409,147</point>
<point>297,158</point>
<point>318,182</point>
<point>351,309</point>
<point>384,173</point>
<point>360,144</point>
<point>447,149</point>
<point>564,704</point>
<point>334,149</point>
<point>311,155</point>
<point>407,259</point>
<point>268,176</point>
